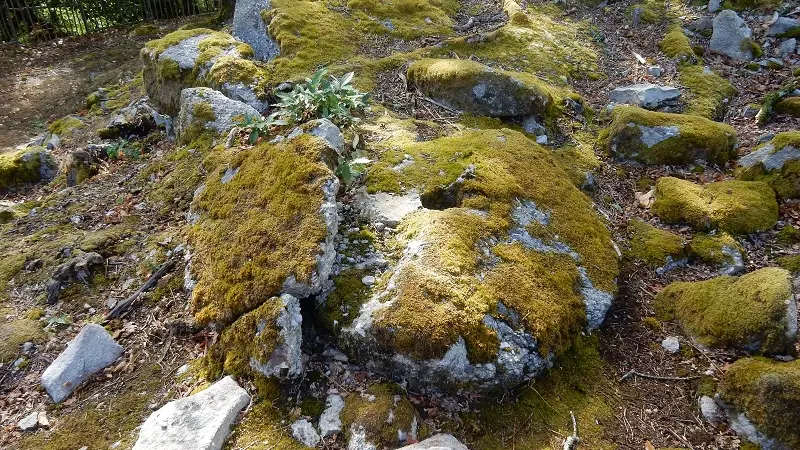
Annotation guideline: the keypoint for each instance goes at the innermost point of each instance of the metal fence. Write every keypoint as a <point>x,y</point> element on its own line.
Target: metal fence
<point>36,20</point>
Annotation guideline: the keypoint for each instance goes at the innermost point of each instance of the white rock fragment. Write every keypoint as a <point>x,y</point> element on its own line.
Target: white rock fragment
<point>671,344</point>
<point>199,422</point>
<point>329,422</point>
<point>437,442</point>
<point>304,432</point>
<point>29,422</point>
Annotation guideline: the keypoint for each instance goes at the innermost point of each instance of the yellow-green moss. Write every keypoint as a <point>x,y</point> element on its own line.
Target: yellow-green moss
<point>203,111</point>
<point>709,248</point>
<point>381,410</point>
<point>747,312</point>
<point>260,228</point>
<point>708,93</point>
<point>698,138</point>
<point>407,19</point>
<point>158,46</point>
<point>739,207</point>
<point>344,303</point>
<point>768,392</point>
<point>15,333</point>
<point>652,11</point>
<point>790,263</point>
<point>788,236</point>
<point>65,125</point>
<point>654,246</point>
<point>789,106</point>
<point>786,180</point>
<point>263,429</point>
<point>21,166</point>
<point>676,45</point>
<point>146,29</point>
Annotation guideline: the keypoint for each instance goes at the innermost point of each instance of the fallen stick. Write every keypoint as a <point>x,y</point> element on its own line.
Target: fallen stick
<point>571,443</point>
<point>120,307</point>
<point>655,377</point>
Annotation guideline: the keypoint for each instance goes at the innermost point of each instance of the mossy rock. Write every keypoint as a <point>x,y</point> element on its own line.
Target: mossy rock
<point>381,416</point>
<point>26,166</point>
<point>17,332</point>
<point>474,88</point>
<point>708,93</point>
<point>755,312</point>
<point>199,58</point>
<point>719,249</point>
<point>777,163</point>
<point>767,392</point>
<point>508,243</point>
<point>406,19</point>
<point>662,138</point>
<point>206,110</point>
<point>677,46</point>
<point>266,223</point>
<point>790,263</point>
<point>65,125</point>
<point>653,246</point>
<point>738,207</point>
<point>789,106</point>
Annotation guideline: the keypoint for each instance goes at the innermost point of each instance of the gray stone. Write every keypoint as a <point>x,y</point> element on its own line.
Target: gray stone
<point>226,111</point>
<point>249,27</point>
<point>734,263</point>
<point>770,158</point>
<point>198,422</point>
<point>29,422</point>
<point>714,5</point>
<point>787,47</point>
<point>702,24</point>
<point>655,71</point>
<point>651,136</point>
<point>710,410</point>
<point>671,344</point>
<point>744,427</point>
<point>368,280</point>
<point>329,422</point>
<point>303,431</point>
<point>783,26</point>
<point>388,209</point>
<point>437,442</point>
<point>138,118</point>
<point>328,132</point>
<point>358,439</point>
<point>78,269</point>
<point>288,356</point>
<point>91,351</point>
<point>532,126</point>
<point>648,96</point>
<point>731,36</point>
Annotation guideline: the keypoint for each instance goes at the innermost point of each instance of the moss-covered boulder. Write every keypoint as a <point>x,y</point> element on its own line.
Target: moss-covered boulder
<point>200,58</point>
<point>677,46</point>
<point>264,226</point>
<point>501,271</point>
<point>755,312</point>
<point>739,207</point>
<point>206,109</point>
<point>662,138</point>
<point>28,165</point>
<point>763,398</point>
<point>381,417</point>
<point>789,106</point>
<point>708,93</point>
<point>720,250</point>
<point>656,248</point>
<point>474,88</point>
<point>777,163</point>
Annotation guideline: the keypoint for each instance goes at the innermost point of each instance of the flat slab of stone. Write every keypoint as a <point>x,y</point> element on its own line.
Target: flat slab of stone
<point>385,208</point>
<point>438,442</point>
<point>199,422</point>
<point>782,26</point>
<point>92,350</point>
<point>330,422</point>
<point>731,35</point>
<point>648,96</point>
<point>771,159</point>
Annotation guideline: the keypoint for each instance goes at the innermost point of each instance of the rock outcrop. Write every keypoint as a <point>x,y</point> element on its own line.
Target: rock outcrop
<point>28,165</point>
<point>250,28</point>
<point>648,96</point>
<point>206,109</point>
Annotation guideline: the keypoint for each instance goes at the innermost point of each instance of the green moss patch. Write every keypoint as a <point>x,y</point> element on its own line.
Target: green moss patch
<point>790,263</point>
<point>260,228</point>
<point>663,138</point>
<point>711,248</point>
<point>17,332</point>
<point>263,428</point>
<point>739,207</point>
<point>22,166</point>
<point>344,303</point>
<point>676,45</point>
<point>747,312</point>
<point>654,246</point>
<point>380,411</point>
<point>708,93</point>
<point>785,180</point>
<point>768,392</point>
<point>789,106</point>
<point>65,125</point>
<point>407,19</point>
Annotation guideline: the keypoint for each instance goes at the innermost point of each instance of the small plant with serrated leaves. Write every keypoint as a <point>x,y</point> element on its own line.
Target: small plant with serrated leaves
<point>323,96</point>
<point>124,148</point>
<point>256,127</point>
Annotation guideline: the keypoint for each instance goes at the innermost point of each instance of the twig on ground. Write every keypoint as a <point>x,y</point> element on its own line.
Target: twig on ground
<point>120,307</point>
<point>633,373</point>
<point>571,443</point>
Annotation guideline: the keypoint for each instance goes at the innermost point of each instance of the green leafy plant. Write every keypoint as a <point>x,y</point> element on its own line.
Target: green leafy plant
<point>348,169</point>
<point>123,147</point>
<point>323,96</point>
<point>260,126</point>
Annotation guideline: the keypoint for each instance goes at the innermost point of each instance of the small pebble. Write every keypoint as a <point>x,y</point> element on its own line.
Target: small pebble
<point>368,280</point>
<point>671,344</point>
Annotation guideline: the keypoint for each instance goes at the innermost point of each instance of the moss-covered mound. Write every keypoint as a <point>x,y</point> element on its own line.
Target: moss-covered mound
<point>662,138</point>
<point>739,207</point>
<point>719,249</point>
<point>15,333</point>
<point>381,416</point>
<point>676,45</point>
<point>26,166</point>
<point>755,312</point>
<point>407,19</point>
<point>263,217</point>
<point>507,244</point>
<point>777,163</point>
<point>789,106</point>
<point>653,246</point>
<point>708,93</point>
<point>768,392</point>
<point>475,88</point>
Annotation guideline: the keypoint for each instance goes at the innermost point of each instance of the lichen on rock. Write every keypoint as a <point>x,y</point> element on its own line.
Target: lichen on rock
<point>739,207</point>
<point>663,138</point>
<point>206,109</point>
<point>755,312</point>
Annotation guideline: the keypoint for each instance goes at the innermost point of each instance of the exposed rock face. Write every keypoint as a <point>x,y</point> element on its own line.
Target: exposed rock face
<point>303,431</point>
<point>28,165</point>
<point>201,421</point>
<point>777,162</point>
<point>249,27</point>
<point>783,27</point>
<point>755,312</point>
<point>760,398</point>
<point>438,442</point>
<point>732,36</point>
<point>91,351</point>
<point>662,138</point>
<point>474,88</point>
<point>84,163</point>
<point>385,208</point>
<point>138,119</point>
<point>739,207</point>
<point>78,269</point>
<point>207,109</point>
<point>330,422</point>
<point>648,96</point>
